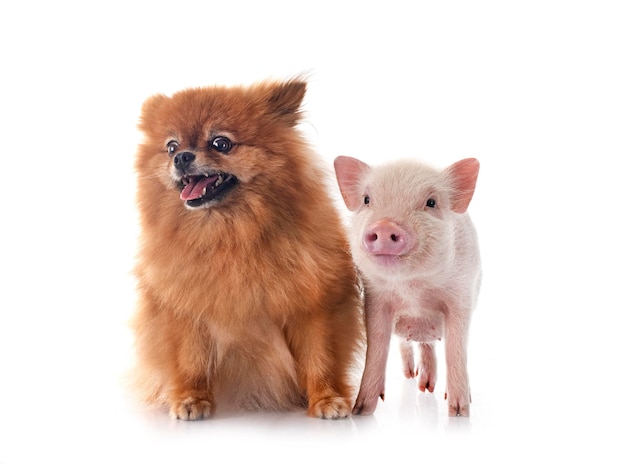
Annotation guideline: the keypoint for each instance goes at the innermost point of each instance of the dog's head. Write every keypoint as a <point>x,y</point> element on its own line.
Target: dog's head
<point>204,144</point>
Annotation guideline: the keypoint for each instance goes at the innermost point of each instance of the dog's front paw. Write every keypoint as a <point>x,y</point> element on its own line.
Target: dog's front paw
<point>191,408</point>
<point>330,408</point>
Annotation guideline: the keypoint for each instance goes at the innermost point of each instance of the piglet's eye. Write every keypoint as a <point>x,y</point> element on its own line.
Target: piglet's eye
<point>366,200</point>
<point>430,203</point>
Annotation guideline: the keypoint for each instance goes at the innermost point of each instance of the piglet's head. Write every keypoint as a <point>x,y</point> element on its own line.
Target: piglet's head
<point>404,212</point>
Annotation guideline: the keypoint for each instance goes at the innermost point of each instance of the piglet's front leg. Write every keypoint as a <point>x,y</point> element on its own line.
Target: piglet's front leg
<point>458,390</point>
<point>378,328</point>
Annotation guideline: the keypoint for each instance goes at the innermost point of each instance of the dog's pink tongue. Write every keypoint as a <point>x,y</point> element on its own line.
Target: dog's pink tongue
<point>196,187</point>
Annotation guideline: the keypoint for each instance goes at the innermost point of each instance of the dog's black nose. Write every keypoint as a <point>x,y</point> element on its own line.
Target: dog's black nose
<point>183,159</point>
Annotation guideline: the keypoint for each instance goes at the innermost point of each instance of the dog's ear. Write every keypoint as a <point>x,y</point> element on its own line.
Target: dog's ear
<point>152,103</point>
<point>149,109</point>
<point>284,100</point>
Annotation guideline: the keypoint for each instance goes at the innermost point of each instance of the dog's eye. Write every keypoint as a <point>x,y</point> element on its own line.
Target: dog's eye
<point>222,144</point>
<point>171,147</point>
<point>431,203</point>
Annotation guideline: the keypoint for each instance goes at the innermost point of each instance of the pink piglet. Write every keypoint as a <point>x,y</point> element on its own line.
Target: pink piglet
<point>417,252</point>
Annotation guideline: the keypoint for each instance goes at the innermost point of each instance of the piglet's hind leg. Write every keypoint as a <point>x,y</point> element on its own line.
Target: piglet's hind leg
<point>408,359</point>
<point>427,367</point>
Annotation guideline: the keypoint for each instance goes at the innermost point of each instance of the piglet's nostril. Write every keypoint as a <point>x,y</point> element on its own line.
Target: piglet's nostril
<point>372,237</point>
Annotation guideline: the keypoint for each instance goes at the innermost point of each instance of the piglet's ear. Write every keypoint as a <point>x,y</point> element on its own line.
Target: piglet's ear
<point>350,172</point>
<point>463,174</point>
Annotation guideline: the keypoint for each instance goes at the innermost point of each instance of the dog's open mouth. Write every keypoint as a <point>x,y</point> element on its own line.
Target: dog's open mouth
<point>198,190</point>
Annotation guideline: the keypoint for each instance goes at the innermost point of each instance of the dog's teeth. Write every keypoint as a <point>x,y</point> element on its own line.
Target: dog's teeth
<point>204,191</point>
<point>219,181</point>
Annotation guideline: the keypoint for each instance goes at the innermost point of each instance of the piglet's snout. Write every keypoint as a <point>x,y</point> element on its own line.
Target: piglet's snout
<point>386,238</point>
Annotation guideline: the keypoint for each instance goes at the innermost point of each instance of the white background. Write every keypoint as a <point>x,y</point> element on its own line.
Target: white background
<point>535,89</point>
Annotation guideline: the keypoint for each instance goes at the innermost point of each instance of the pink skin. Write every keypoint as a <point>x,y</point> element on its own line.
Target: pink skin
<point>417,252</point>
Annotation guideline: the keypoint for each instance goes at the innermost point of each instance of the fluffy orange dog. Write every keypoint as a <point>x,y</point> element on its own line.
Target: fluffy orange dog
<point>247,291</point>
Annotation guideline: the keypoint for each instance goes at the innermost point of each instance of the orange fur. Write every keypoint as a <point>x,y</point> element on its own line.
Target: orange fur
<point>253,300</point>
